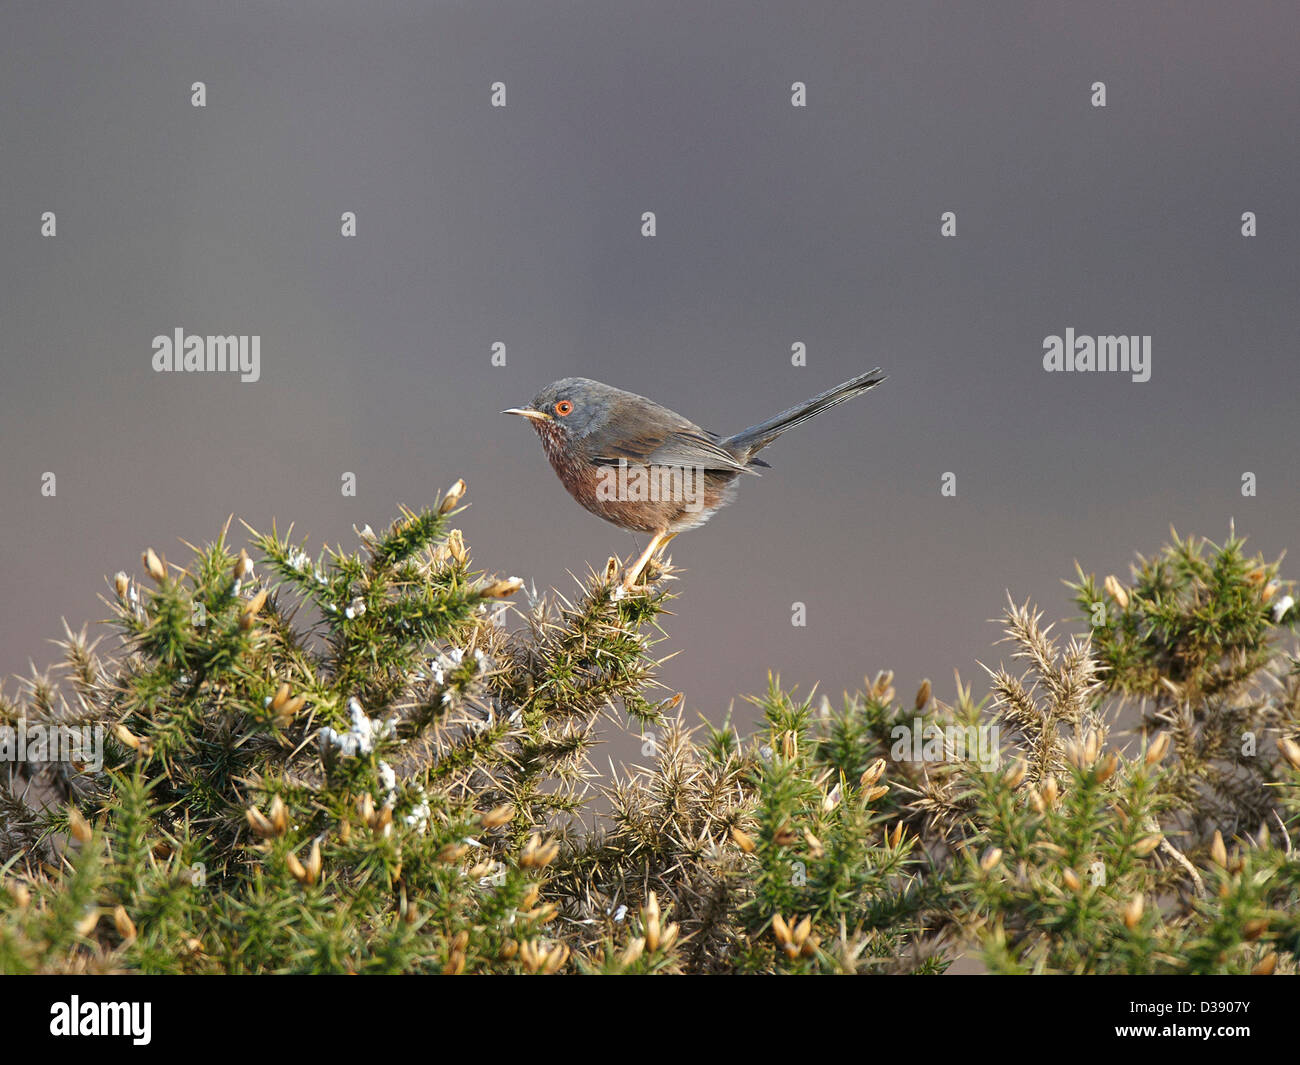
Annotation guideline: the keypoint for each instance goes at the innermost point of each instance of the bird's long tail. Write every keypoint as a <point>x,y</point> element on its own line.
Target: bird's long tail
<point>756,437</point>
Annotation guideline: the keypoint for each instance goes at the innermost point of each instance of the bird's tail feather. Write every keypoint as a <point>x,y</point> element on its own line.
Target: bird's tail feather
<point>759,436</point>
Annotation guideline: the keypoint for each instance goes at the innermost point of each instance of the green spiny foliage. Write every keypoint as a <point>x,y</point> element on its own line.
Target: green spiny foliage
<point>1192,647</point>
<point>372,761</point>
<point>1084,858</point>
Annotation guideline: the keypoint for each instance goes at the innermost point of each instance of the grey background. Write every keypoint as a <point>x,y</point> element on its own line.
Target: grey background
<point>775,225</point>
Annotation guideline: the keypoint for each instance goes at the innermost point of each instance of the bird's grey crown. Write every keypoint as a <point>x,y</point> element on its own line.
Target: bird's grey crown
<point>596,403</point>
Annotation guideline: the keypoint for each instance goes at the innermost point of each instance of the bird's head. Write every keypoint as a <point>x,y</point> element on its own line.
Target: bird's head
<point>570,408</point>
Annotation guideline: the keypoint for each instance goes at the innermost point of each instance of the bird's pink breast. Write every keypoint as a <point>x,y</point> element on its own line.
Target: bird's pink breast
<point>583,479</point>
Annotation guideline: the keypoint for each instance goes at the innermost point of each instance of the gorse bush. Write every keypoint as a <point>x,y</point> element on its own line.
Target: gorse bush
<point>381,761</point>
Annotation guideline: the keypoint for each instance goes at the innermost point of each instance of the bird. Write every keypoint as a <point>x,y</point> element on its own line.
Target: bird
<point>648,469</point>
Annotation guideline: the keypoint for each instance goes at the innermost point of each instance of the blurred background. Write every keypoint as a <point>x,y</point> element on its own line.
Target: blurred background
<point>776,225</point>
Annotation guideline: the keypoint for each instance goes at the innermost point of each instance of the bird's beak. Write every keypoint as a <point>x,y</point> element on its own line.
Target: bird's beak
<point>528,412</point>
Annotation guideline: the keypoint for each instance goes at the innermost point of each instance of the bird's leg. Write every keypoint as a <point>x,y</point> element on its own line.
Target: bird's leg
<point>633,571</point>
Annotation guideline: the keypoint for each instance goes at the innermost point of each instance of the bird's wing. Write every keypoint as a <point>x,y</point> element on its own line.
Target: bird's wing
<point>674,447</point>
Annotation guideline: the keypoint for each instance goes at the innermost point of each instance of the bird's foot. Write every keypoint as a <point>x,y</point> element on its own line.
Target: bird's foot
<point>637,568</point>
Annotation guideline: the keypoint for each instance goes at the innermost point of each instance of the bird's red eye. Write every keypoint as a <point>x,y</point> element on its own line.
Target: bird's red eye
<point>563,407</point>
